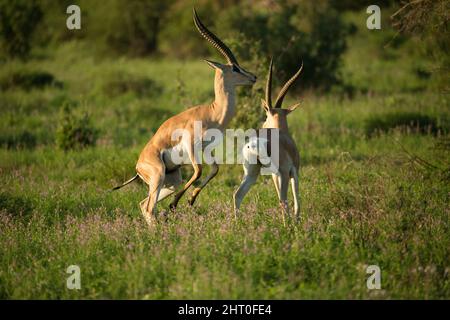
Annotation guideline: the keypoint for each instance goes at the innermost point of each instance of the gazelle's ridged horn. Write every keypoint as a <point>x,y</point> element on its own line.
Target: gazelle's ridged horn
<point>286,87</point>
<point>269,85</point>
<point>215,41</point>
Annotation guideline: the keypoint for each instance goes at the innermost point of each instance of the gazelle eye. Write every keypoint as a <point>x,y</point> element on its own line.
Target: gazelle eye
<point>235,69</point>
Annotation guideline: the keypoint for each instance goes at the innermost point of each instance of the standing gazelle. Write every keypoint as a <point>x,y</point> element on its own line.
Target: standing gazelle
<point>156,164</point>
<point>287,165</point>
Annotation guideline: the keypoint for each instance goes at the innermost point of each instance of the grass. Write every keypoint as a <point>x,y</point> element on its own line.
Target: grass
<point>364,200</point>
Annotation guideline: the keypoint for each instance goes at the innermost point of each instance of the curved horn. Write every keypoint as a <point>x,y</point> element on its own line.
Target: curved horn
<point>269,85</point>
<point>286,87</point>
<point>215,41</point>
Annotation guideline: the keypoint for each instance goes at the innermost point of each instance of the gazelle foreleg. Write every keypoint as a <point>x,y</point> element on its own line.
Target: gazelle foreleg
<point>209,177</point>
<point>197,174</point>
<point>276,183</point>
<point>251,172</point>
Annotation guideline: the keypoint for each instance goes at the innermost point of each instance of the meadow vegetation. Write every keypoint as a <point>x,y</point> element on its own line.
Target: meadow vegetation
<point>375,172</point>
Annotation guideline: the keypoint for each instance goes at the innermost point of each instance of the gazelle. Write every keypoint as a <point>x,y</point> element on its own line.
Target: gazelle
<point>156,165</point>
<point>287,165</point>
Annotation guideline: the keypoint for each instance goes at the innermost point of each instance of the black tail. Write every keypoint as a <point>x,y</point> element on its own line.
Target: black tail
<point>126,182</point>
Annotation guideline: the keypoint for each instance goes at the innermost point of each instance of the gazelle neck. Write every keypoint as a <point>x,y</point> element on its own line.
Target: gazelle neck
<point>283,126</point>
<point>276,124</point>
<point>224,102</point>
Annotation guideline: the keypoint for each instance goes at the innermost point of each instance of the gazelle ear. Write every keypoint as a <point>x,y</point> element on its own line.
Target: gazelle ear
<point>265,105</point>
<point>214,65</point>
<point>292,108</point>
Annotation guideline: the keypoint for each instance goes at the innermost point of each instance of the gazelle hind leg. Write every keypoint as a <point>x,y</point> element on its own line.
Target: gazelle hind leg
<point>152,172</point>
<point>171,182</point>
<point>284,185</point>
<point>251,172</point>
<point>295,194</point>
<point>148,217</point>
<point>153,194</point>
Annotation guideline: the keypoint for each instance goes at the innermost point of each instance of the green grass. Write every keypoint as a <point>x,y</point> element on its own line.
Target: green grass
<point>364,201</point>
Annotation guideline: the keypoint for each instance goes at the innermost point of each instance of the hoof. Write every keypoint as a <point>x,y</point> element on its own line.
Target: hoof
<point>191,201</point>
<point>172,206</point>
<point>151,222</point>
<point>164,216</point>
<point>194,196</point>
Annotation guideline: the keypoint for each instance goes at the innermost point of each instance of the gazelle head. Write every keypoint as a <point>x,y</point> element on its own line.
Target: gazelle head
<point>232,73</point>
<point>276,117</point>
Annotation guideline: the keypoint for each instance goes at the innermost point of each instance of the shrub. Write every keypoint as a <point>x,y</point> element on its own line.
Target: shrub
<point>343,5</point>
<point>287,30</point>
<point>428,20</point>
<point>18,140</point>
<point>178,37</point>
<point>75,131</point>
<point>292,32</point>
<point>408,122</point>
<point>15,205</point>
<point>18,21</point>
<point>122,83</point>
<point>27,80</point>
<point>249,113</point>
<point>132,27</point>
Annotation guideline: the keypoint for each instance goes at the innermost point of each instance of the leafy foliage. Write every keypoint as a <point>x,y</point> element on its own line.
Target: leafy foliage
<point>133,26</point>
<point>18,140</point>
<point>18,21</point>
<point>411,122</point>
<point>292,32</point>
<point>27,79</point>
<point>74,131</point>
<point>428,20</point>
<point>119,83</point>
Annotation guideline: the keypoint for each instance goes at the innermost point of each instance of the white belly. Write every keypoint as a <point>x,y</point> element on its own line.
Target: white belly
<point>178,155</point>
<point>175,157</point>
<point>255,152</point>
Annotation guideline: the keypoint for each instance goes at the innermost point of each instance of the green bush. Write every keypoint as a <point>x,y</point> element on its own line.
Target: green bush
<point>16,205</point>
<point>18,140</point>
<point>75,131</point>
<point>292,32</point>
<point>121,83</point>
<point>130,27</point>
<point>52,27</point>
<point>18,21</point>
<point>427,20</point>
<point>249,113</point>
<point>409,122</point>
<point>27,80</point>
<point>178,37</point>
<point>343,5</point>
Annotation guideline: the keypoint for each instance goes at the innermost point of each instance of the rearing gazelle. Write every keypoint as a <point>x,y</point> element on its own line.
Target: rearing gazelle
<point>156,164</point>
<point>286,167</point>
